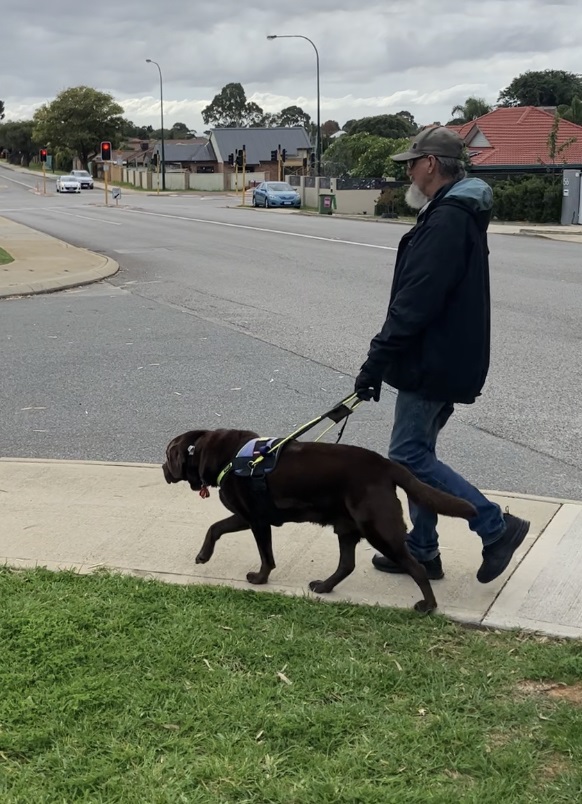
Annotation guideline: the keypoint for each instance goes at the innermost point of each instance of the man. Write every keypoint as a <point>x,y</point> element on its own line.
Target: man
<point>435,343</point>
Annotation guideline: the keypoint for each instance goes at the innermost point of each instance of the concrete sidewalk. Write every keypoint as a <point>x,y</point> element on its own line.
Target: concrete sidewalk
<point>43,263</point>
<point>570,233</point>
<point>63,514</point>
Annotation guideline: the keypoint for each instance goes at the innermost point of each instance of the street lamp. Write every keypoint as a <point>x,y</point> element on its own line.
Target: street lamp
<point>151,61</point>
<point>318,139</point>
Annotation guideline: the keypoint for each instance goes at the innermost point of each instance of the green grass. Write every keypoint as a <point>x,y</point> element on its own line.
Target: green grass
<point>37,167</point>
<point>5,257</point>
<point>115,689</point>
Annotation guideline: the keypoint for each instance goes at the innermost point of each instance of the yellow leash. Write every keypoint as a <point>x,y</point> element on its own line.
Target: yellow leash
<point>340,411</point>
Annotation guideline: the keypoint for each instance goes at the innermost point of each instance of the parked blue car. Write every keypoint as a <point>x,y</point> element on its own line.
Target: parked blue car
<point>276,194</point>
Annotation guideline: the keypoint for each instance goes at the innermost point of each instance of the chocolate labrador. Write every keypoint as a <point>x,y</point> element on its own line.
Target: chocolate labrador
<point>349,488</point>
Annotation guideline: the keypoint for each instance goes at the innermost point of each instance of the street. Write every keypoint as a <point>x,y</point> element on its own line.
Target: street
<point>226,317</point>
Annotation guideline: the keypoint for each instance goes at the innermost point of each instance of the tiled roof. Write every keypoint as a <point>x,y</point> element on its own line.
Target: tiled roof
<point>186,151</point>
<point>259,142</point>
<point>518,136</point>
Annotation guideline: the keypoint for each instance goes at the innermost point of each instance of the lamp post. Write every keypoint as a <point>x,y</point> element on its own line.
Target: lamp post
<point>318,139</point>
<point>151,61</point>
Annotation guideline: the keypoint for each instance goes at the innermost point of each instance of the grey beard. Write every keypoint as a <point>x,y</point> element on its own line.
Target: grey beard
<point>415,198</point>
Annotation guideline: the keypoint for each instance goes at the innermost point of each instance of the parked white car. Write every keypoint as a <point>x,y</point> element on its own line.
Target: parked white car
<point>68,184</point>
<point>85,178</point>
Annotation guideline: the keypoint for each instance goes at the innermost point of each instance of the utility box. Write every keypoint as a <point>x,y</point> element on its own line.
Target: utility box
<point>571,197</point>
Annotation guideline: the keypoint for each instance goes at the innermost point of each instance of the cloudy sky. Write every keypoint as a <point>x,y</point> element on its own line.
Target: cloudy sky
<point>376,57</point>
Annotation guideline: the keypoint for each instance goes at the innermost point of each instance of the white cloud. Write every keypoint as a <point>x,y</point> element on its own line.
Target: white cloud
<point>375,57</point>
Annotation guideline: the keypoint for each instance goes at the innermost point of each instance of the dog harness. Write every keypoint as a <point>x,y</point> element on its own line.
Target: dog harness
<point>255,460</point>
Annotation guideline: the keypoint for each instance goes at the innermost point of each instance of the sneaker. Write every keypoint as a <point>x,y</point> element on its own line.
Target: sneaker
<point>433,567</point>
<point>496,556</point>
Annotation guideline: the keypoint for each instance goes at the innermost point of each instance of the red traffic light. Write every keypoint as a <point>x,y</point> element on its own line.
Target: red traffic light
<point>43,154</point>
<point>106,151</point>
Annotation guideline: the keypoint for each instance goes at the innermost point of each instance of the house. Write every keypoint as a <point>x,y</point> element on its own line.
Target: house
<point>515,139</point>
<point>195,155</point>
<point>259,145</point>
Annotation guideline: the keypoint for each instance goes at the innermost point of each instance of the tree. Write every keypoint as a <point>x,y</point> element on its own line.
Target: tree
<point>573,112</point>
<point>1,110</point>
<point>376,161</point>
<point>555,150</point>
<point>329,128</point>
<point>294,116</point>
<point>180,131</point>
<point>542,88</point>
<point>230,109</point>
<point>130,130</point>
<point>384,125</point>
<point>409,117</point>
<point>16,137</point>
<point>77,120</point>
<point>363,155</point>
<point>470,110</point>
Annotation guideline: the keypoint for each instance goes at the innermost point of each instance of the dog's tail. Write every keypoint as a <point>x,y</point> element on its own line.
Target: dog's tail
<point>428,497</point>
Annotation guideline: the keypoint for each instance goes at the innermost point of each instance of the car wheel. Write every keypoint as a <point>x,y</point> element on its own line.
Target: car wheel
<point>255,201</point>
<point>267,205</point>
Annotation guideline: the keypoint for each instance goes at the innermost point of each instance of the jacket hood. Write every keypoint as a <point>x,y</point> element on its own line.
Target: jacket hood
<point>475,193</point>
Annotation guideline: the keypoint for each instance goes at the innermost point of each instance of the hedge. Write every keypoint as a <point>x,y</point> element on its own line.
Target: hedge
<point>536,199</point>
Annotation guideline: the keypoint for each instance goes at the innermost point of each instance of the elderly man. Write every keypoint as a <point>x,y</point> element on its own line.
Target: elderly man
<point>434,345</point>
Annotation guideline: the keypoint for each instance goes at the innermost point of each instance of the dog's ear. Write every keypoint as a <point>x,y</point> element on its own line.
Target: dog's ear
<point>179,450</point>
<point>176,456</point>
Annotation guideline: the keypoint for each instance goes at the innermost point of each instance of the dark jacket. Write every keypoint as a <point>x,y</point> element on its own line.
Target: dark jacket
<point>436,338</point>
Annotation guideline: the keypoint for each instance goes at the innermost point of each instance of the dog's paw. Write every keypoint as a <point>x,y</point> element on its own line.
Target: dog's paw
<point>256,577</point>
<point>423,607</point>
<point>202,558</point>
<point>319,587</point>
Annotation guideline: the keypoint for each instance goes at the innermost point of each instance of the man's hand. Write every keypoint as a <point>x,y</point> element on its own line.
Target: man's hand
<point>368,386</point>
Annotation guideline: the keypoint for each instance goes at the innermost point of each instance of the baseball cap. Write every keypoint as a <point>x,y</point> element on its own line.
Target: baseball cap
<point>434,141</point>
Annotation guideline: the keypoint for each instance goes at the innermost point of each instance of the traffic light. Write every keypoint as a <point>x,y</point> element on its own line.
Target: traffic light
<point>312,159</point>
<point>283,155</point>
<point>239,158</point>
<point>304,161</point>
<point>274,156</point>
<point>43,154</point>
<point>231,159</point>
<point>106,151</point>
<point>155,160</point>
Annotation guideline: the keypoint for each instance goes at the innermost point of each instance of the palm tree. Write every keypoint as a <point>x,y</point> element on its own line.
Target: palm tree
<point>470,110</point>
<point>573,113</point>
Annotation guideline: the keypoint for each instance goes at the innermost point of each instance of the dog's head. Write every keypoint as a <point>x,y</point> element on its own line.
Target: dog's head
<point>183,460</point>
<point>199,456</point>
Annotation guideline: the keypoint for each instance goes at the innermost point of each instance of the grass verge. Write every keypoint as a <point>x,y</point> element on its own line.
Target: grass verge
<point>5,257</point>
<point>122,690</point>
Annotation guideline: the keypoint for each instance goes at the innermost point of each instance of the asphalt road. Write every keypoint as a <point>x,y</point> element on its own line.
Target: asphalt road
<point>233,317</point>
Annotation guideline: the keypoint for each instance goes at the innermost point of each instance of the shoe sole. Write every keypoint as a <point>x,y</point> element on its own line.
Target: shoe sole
<point>520,535</point>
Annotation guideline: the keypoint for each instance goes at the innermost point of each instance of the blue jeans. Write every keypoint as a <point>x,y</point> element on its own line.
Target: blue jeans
<point>417,423</point>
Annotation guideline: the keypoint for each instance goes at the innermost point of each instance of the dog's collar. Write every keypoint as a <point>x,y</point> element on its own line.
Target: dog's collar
<point>204,490</point>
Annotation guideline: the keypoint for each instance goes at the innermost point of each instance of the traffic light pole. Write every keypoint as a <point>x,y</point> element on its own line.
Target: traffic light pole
<point>44,178</point>
<point>105,172</point>
<point>244,168</point>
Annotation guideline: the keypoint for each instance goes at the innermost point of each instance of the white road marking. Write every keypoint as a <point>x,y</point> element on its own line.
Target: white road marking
<point>259,229</point>
<point>86,217</point>
<point>28,186</point>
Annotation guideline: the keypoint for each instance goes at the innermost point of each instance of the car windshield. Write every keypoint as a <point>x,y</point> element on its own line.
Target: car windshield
<point>81,173</point>
<point>280,187</point>
<point>68,178</point>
